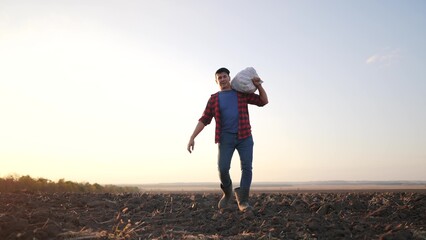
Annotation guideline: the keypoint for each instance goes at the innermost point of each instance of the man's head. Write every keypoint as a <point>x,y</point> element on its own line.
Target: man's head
<point>223,79</point>
<point>223,70</point>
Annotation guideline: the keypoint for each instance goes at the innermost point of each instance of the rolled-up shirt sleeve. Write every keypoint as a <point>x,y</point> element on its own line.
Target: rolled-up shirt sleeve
<point>208,113</point>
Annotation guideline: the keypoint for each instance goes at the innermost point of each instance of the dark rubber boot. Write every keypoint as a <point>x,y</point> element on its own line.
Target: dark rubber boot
<point>227,193</point>
<point>242,195</point>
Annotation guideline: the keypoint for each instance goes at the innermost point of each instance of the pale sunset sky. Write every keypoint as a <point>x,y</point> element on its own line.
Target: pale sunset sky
<point>110,91</point>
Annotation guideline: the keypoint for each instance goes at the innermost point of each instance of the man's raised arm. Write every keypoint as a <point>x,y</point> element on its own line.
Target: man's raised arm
<point>262,93</point>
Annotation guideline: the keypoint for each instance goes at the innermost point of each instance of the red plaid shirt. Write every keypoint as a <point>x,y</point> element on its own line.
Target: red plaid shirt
<point>244,128</point>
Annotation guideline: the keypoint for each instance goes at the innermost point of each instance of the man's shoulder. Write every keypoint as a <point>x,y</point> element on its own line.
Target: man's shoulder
<point>213,97</point>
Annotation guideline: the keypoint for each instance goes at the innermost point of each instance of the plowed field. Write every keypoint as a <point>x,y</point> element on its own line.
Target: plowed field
<point>333,215</point>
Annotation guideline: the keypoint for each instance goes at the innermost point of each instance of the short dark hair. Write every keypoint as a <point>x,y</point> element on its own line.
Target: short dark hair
<point>223,70</point>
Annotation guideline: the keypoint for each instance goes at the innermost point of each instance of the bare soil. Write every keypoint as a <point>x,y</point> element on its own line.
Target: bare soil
<point>279,215</point>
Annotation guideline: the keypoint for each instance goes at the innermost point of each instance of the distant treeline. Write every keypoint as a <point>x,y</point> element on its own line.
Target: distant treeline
<point>29,184</point>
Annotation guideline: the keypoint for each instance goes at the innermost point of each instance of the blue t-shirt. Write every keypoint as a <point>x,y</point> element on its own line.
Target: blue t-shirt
<point>228,105</point>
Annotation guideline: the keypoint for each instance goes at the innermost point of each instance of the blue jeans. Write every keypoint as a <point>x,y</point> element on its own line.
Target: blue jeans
<point>226,147</point>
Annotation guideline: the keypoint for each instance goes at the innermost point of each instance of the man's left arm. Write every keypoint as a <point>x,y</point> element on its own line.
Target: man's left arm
<point>262,93</point>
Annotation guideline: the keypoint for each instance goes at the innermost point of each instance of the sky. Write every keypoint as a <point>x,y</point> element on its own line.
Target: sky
<point>110,91</point>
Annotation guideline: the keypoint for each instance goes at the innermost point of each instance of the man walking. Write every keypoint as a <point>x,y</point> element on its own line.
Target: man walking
<point>233,132</point>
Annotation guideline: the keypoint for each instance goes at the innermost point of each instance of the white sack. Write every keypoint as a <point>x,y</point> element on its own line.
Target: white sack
<point>242,82</point>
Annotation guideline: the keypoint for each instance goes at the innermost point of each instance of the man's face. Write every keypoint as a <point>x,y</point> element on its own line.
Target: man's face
<point>223,80</point>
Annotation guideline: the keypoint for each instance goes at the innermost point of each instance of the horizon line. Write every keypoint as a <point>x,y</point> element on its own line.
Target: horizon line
<point>338,182</point>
